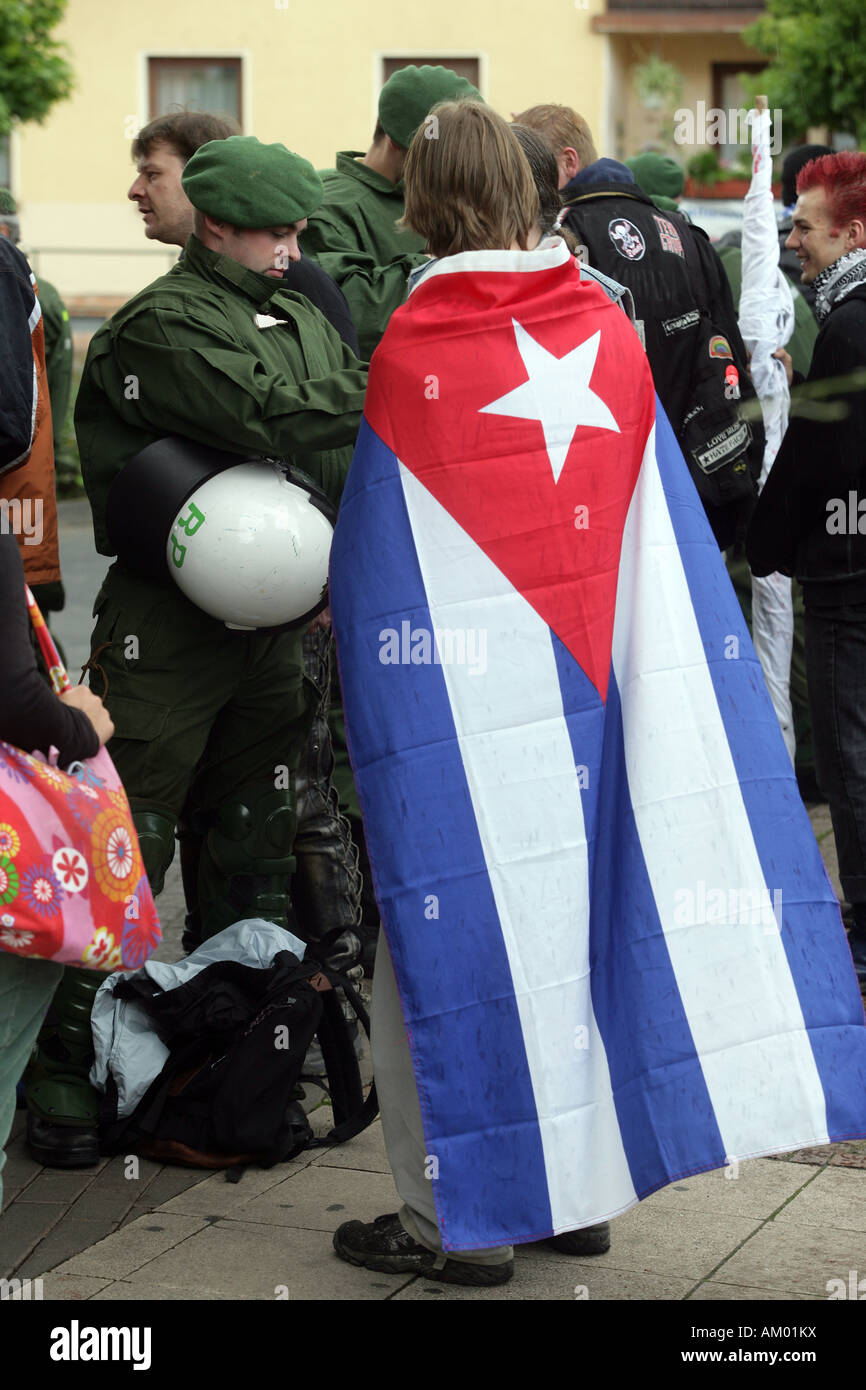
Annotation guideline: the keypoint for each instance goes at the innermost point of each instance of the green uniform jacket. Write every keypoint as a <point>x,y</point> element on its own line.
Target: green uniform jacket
<point>354,237</point>
<point>802,340</point>
<point>187,356</point>
<point>58,355</point>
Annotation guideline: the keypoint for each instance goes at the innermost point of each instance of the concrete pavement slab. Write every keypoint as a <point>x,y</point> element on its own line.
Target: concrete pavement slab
<point>755,1188</point>
<point>163,1183</point>
<point>213,1196</point>
<point>127,1250</point>
<point>321,1199</point>
<point>680,1244</point>
<point>70,1236</point>
<point>558,1281</point>
<point>835,1199</point>
<point>366,1151</point>
<point>71,1287</point>
<point>24,1225</point>
<point>713,1291</point>
<point>257,1261</point>
<point>19,1172</point>
<point>55,1185</point>
<point>139,1292</point>
<point>111,1198</point>
<point>796,1259</point>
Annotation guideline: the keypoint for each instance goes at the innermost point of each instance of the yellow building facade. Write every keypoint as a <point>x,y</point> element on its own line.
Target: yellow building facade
<point>308,75</point>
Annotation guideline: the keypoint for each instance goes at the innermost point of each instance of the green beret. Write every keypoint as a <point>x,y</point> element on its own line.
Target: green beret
<point>246,183</point>
<point>410,93</point>
<point>8,203</point>
<point>660,177</point>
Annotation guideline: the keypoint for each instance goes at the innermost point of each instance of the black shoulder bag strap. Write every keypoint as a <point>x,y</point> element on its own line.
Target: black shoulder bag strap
<point>351,1112</point>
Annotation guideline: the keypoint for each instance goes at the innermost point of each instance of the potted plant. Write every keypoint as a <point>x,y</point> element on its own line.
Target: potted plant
<point>706,177</point>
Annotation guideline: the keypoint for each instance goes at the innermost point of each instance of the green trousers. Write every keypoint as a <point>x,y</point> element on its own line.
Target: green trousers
<point>208,718</point>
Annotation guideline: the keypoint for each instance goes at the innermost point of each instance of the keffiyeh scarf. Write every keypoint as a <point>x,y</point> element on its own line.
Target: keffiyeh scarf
<point>837,280</point>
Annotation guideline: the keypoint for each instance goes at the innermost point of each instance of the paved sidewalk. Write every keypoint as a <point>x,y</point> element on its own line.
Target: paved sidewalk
<point>772,1230</point>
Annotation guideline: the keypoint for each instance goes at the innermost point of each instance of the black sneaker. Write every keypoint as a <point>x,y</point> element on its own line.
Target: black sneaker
<point>387,1247</point>
<point>591,1240</point>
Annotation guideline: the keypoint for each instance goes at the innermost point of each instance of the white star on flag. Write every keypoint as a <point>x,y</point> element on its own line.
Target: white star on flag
<point>557,393</point>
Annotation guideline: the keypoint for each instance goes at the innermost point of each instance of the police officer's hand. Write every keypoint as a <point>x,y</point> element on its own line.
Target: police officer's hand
<point>82,697</point>
<point>321,620</point>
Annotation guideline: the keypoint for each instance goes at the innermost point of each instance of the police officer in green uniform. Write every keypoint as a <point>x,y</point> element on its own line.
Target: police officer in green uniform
<point>220,352</point>
<point>354,235</point>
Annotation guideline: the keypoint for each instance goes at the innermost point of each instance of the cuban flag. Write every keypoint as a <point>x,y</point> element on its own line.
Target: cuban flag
<point>619,957</point>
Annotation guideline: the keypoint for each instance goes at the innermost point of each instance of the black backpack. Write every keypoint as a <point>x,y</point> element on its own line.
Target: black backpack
<point>691,337</point>
<point>238,1035</point>
<point>716,439</point>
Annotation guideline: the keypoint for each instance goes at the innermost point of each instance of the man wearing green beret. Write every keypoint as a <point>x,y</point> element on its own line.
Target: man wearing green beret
<point>354,235</point>
<point>220,352</point>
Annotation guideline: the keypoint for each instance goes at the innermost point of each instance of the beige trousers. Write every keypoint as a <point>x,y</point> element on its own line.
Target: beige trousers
<point>401,1119</point>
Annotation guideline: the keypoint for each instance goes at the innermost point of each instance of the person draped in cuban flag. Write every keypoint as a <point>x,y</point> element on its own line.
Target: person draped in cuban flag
<point>610,954</point>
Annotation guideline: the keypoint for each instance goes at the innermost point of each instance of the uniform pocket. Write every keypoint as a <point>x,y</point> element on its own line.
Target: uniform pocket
<point>137,719</point>
<point>130,614</point>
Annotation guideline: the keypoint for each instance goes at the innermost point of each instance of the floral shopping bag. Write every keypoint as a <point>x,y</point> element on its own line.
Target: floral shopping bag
<point>72,883</point>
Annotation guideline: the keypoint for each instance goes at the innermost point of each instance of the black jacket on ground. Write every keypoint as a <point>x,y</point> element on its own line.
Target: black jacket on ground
<point>820,463</point>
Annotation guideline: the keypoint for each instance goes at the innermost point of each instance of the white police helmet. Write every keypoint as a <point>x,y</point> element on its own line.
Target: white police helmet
<point>250,546</point>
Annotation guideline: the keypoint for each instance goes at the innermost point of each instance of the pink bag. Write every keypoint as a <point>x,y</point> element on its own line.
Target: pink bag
<point>72,883</point>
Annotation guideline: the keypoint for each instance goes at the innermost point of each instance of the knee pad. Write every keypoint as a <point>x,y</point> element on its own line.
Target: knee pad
<point>247,859</point>
<point>155,832</point>
<point>253,832</point>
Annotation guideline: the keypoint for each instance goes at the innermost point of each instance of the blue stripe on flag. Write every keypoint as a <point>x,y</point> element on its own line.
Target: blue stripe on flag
<point>668,1126</point>
<point>421,831</point>
<point>812,933</point>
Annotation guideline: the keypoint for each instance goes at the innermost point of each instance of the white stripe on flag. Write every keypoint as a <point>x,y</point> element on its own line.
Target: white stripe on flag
<point>520,768</point>
<point>732,971</point>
